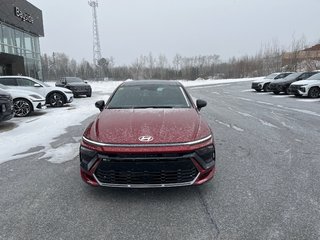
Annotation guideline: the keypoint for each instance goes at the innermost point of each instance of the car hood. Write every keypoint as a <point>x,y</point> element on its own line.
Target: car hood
<point>76,84</point>
<point>125,126</point>
<point>304,82</point>
<point>283,81</point>
<point>263,80</point>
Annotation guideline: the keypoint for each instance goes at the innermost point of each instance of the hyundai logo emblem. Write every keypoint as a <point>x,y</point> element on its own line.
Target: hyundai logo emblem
<point>145,139</point>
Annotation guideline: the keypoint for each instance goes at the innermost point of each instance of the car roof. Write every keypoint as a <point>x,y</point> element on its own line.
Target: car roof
<point>150,82</point>
<point>17,76</point>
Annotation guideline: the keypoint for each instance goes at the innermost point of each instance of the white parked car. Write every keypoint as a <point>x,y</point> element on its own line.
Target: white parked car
<point>306,88</point>
<point>24,102</point>
<point>55,96</point>
<point>263,84</point>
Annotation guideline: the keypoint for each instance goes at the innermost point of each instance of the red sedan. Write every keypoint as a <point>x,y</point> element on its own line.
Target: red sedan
<point>148,134</point>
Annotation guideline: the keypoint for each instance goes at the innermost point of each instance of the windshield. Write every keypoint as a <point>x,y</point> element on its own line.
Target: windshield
<point>149,96</point>
<point>73,79</point>
<point>271,76</point>
<point>292,76</point>
<point>314,77</point>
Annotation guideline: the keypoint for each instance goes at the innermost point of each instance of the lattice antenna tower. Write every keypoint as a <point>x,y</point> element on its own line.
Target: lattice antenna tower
<point>96,39</point>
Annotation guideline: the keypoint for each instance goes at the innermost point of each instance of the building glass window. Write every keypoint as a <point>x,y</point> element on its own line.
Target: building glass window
<point>18,42</point>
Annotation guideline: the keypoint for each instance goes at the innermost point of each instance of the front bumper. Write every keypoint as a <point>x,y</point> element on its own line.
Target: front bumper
<point>69,97</point>
<point>298,90</point>
<point>276,88</point>
<point>146,170</point>
<point>81,91</point>
<point>257,86</point>
<point>38,104</point>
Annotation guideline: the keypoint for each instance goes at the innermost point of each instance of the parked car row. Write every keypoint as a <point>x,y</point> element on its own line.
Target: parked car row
<point>306,84</point>
<point>21,95</point>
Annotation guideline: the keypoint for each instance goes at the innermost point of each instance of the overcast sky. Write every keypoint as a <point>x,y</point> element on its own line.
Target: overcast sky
<point>129,28</point>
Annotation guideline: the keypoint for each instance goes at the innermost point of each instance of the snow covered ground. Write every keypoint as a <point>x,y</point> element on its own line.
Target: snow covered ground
<point>21,137</point>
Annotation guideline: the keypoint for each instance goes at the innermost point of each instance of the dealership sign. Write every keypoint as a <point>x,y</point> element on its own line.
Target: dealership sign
<point>23,16</point>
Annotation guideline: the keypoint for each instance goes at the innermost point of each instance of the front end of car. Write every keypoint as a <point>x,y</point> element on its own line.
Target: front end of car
<point>276,87</point>
<point>147,165</point>
<point>6,107</point>
<point>83,89</point>
<point>298,89</point>
<point>258,86</point>
<point>69,96</point>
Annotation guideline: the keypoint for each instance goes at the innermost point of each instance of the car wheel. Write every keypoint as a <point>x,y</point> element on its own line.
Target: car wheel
<point>266,87</point>
<point>56,100</point>
<point>314,92</point>
<point>89,94</point>
<point>258,90</point>
<point>22,107</point>
<point>75,95</point>
<point>297,95</point>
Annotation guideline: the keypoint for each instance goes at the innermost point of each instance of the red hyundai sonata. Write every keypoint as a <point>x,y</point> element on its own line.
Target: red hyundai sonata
<point>148,134</point>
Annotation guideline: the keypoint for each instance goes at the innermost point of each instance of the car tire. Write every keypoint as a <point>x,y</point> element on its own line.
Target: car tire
<point>276,92</point>
<point>22,107</point>
<point>258,90</point>
<point>297,95</point>
<point>75,95</point>
<point>266,87</point>
<point>89,94</point>
<point>56,99</point>
<point>314,92</point>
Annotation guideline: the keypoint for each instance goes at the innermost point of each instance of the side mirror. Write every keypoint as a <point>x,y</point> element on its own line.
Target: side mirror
<point>200,104</point>
<point>86,82</point>
<point>100,104</point>
<point>37,85</point>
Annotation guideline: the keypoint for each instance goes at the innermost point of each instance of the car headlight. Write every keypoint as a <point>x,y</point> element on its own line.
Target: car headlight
<point>207,153</point>
<point>68,92</point>
<point>35,96</point>
<point>302,89</point>
<point>87,157</point>
<point>86,154</point>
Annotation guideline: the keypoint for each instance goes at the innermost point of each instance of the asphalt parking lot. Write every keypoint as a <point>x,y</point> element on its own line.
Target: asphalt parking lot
<point>266,185</point>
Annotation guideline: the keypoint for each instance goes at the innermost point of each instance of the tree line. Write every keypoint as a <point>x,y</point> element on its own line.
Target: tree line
<point>269,59</point>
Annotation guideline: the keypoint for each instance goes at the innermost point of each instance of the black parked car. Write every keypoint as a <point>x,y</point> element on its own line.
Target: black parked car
<point>282,85</point>
<point>6,106</point>
<point>76,85</point>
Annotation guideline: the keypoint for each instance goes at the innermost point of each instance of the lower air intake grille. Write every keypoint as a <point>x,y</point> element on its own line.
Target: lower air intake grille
<point>146,171</point>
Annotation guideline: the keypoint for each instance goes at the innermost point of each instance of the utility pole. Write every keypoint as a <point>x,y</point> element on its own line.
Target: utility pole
<point>96,40</point>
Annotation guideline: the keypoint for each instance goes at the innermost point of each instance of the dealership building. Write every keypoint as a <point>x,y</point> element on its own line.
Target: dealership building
<point>21,26</point>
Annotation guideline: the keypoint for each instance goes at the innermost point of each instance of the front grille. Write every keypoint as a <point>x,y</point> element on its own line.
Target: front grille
<point>294,88</point>
<point>146,171</point>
